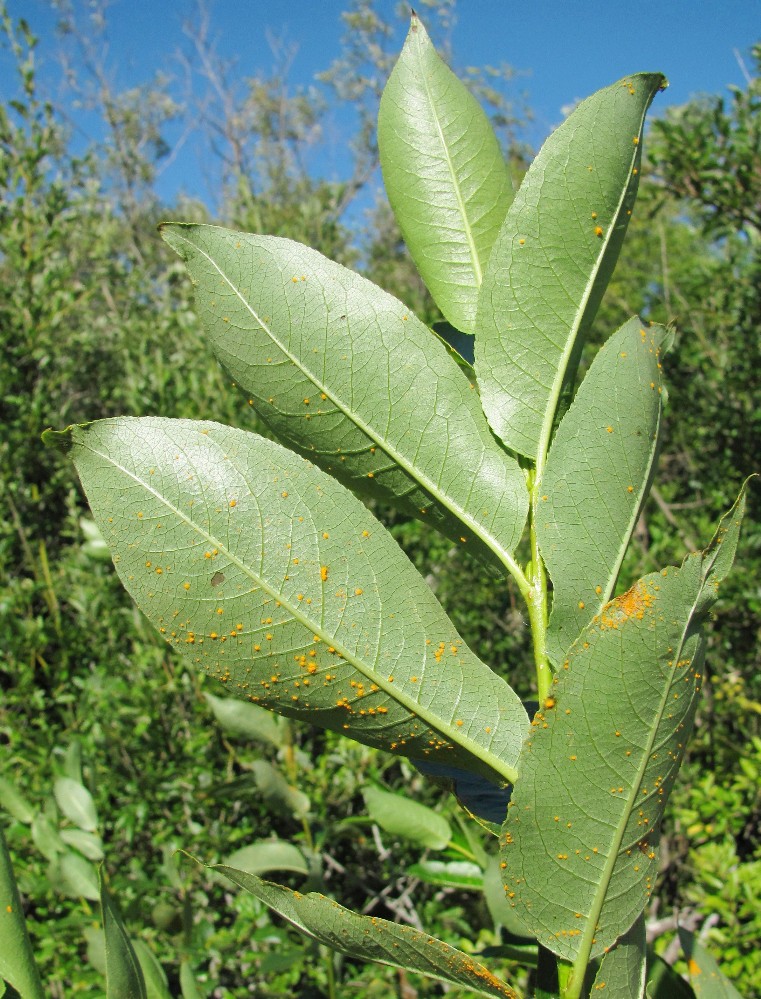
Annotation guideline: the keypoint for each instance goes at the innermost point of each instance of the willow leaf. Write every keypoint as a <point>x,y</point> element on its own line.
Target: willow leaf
<point>597,477</point>
<point>553,258</point>
<point>623,969</point>
<point>17,964</point>
<point>344,374</point>
<point>580,842</point>
<point>124,975</point>
<point>370,938</point>
<point>273,578</point>
<point>444,173</point>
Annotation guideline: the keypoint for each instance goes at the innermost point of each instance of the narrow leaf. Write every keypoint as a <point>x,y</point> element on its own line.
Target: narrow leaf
<point>707,978</point>
<point>46,837</point>
<point>347,376</point>
<point>268,855</point>
<point>580,842</point>
<point>76,803</point>
<point>15,804</point>
<point>597,477</point>
<point>663,982</point>
<point>462,874</point>
<point>89,845</point>
<point>270,576</point>
<point>154,976</point>
<point>17,964</point>
<point>553,258</point>
<point>444,173</point>
<point>622,970</point>
<point>276,790</point>
<point>372,939</point>
<point>74,876</point>
<point>237,717</point>
<point>401,816</point>
<point>124,977</point>
<point>188,984</point>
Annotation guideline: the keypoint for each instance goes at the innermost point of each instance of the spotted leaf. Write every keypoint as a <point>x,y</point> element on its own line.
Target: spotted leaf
<point>270,576</point>
<point>346,375</point>
<point>444,173</point>
<point>580,842</point>
<point>553,258</point>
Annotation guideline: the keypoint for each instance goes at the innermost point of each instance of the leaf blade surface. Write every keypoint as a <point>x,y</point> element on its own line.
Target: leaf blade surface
<point>599,766</point>
<point>346,375</point>
<point>597,476</point>
<point>553,258</point>
<point>444,173</point>
<point>371,938</point>
<point>274,579</point>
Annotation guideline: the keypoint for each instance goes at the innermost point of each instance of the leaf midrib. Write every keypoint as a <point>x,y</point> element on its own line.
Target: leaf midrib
<point>557,385</point>
<point>591,927</point>
<point>433,721</point>
<point>412,470</point>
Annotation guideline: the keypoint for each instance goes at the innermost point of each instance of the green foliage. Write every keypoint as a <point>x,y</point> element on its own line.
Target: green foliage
<point>115,331</point>
<point>216,526</point>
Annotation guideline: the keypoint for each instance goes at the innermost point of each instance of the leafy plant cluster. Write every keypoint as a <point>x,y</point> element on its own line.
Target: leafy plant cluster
<point>154,773</point>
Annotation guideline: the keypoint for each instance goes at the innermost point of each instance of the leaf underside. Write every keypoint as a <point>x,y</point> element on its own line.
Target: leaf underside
<point>623,969</point>
<point>580,841</point>
<point>553,258</point>
<point>597,476</point>
<point>271,577</point>
<point>372,939</point>
<point>347,376</point>
<point>444,173</point>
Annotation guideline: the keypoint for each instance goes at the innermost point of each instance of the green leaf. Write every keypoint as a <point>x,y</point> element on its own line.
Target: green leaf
<point>500,909</point>
<point>89,845</point>
<point>124,977</point>
<point>72,760</point>
<point>707,978</point>
<point>268,855</point>
<point>188,984</point>
<point>401,816</point>
<point>372,939</point>
<point>238,717</point>
<point>345,374</point>
<point>663,982</point>
<point>322,616</point>
<point>622,971</point>
<point>46,837</point>
<point>74,876</point>
<point>154,976</point>
<point>448,873</point>
<point>444,173</point>
<point>277,792</point>
<point>553,258</point>
<point>76,803</point>
<point>597,477</point>
<point>15,804</point>
<point>580,841</point>
<point>17,964</point>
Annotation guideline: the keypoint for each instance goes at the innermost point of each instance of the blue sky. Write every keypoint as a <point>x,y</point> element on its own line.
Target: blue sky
<point>565,49</point>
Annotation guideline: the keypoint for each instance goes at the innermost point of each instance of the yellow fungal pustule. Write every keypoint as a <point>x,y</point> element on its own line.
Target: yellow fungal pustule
<point>233,503</point>
<point>323,573</point>
<point>598,231</point>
